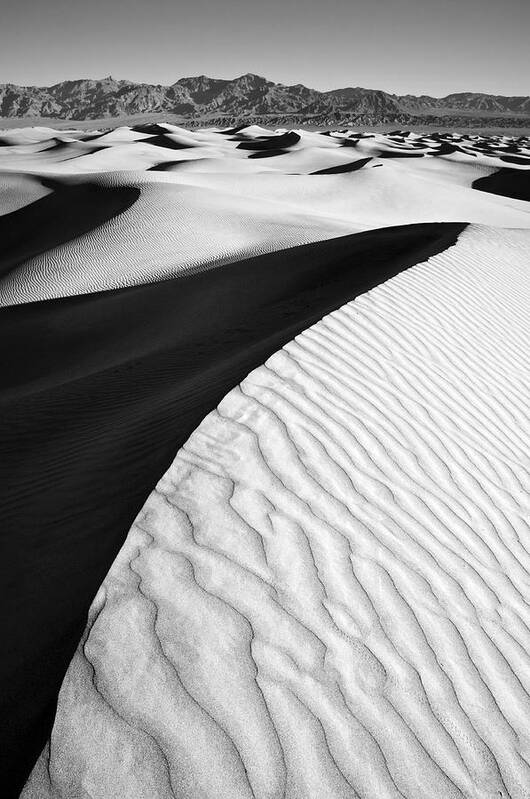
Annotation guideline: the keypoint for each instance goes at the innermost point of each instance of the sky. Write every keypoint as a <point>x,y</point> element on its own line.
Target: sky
<point>402,46</point>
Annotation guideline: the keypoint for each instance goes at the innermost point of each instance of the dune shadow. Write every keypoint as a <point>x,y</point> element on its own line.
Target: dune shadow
<point>268,153</point>
<point>165,141</point>
<point>506,182</point>
<point>74,149</point>
<point>520,160</point>
<point>445,148</point>
<point>168,166</point>
<point>275,142</point>
<point>150,129</point>
<point>398,154</point>
<point>353,166</point>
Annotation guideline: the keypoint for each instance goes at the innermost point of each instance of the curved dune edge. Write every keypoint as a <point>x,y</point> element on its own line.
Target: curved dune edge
<point>327,593</point>
<point>17,191</point>
<point>98,393</point>
<point>64,215</point>
<point>507,183</point>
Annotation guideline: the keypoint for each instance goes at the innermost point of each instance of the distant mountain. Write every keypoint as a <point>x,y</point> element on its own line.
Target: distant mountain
<point>253,98</point>
<point>468,101</point>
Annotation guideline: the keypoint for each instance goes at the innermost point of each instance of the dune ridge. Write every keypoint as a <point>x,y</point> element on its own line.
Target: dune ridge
<point>327,592</point>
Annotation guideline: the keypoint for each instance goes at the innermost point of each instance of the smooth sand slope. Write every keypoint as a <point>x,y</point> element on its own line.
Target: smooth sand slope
<point>144,272</point>
<point>327,593</point>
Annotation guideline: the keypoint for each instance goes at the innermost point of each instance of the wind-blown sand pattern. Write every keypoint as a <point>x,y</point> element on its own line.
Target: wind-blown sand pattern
<point>100,391</point>
<point>327,593</point>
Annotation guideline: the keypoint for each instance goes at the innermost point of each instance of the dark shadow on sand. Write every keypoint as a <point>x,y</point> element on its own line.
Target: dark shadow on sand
<point>268,153</point>
<point>506,182</point>
<point>164,141</point>
<point>74,148</point>
<point>275,142</point>
<point>520,160</point>
<point>150,129</point>
<point>398,154</point>
<point>353,166</point>
<point>169,166</point>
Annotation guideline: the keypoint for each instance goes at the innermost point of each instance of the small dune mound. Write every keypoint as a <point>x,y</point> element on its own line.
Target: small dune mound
<point>152,129</point>
<point>166,166</point>
<point>165,140</point>
<point>275,142</point>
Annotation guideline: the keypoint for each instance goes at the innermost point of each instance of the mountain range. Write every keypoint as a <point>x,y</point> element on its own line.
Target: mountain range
<point>253,98</point>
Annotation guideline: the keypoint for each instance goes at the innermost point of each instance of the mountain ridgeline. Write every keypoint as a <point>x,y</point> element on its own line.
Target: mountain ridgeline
<point>251,98</point>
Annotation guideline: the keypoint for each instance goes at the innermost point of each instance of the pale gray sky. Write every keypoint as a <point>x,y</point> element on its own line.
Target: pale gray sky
<point>418,46</point>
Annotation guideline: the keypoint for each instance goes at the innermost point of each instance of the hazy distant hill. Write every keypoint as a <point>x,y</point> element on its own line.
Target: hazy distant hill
<point>251,97</point>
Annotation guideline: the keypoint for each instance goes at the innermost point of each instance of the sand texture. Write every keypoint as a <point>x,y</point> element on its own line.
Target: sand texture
<point>327,593</point>
<point>264,433</point>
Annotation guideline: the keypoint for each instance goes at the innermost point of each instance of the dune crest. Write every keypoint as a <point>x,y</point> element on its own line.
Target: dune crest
<point>99,392</point>
<point>326,595</point>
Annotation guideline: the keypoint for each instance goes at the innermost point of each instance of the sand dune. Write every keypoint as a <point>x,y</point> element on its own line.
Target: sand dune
<point>169,229</point>
<point>327,593</point>
<point>202,199</point>
<point>16,191</point>
<point>99,391</point>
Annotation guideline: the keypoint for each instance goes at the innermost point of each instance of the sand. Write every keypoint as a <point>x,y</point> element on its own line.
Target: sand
<point>177,201</point>
<point>327,592</point>
<point>325,595</point>
<point>99,392</point>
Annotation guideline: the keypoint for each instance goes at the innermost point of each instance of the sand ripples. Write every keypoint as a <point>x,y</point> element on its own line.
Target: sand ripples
<point>327,594</point>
